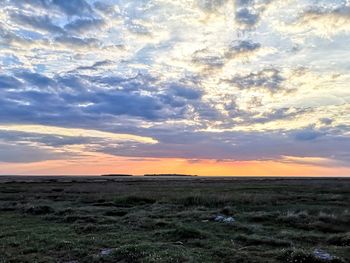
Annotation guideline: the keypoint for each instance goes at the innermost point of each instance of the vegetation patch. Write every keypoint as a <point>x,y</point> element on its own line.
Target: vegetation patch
<point>133,200</point>
<point>183,233</point>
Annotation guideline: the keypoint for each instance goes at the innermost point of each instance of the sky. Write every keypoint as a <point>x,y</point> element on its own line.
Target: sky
<point>207,87</point>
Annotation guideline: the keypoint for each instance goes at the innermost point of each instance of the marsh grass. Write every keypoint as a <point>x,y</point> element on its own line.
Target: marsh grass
<point>159,220</point>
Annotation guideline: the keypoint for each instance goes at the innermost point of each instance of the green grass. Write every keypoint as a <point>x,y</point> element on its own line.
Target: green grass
<point>160,220</point>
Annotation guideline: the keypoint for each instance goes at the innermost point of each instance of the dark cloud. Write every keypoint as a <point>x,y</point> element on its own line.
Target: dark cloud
<point>244,46</point>
<point>35,79</point>
<point>234,146</point>
<point>77,41</point>
<point>210,60</point>
<point>246,17</point>
<point>27,147</point>
<point>326,121</point>
<point>84,24</point>
<point>32,27</point>
<point>239,146</point>
<point>37,22</point>
<point>95,66</point>
<point>59,98</point>
<point>75,7</point>
<point>205,58</point>
<point>8,38</point>
<point>185,92</point>
<point>26,138</point>
<point>9,82</point>
<point>278,114</point>
<point>67,7</point>
<point>119,103</point>
<point>341,10</point>
<point>248,12</point>
<point>211,5</point>
<point>269,79</point>
<point>307,134</point>
<point>25,153</point>
<point>104,7</point>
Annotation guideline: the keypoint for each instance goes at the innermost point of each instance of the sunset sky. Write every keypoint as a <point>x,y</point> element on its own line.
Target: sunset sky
<point>207,87</point>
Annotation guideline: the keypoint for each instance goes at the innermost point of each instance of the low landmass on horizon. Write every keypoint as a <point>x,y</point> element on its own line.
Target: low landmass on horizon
<point>156,175</point>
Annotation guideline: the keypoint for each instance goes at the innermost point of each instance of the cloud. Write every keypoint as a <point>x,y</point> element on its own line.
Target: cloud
<point>321,20</point>
<point>277,114</point>
<point>244,46</point>
<point>9,82</point>
<point>241,146</point>
<point>307,134</point>
<point>41,23</point>
<point>326,121</point>
<point>73,132</point>
<point>77,41</point>
<point>35,79</point>
<point>246,17</point>
<point>82,25</point>
<point>248,12</point>
<point>104,7</point>
<point>119,103</point>
<point>138,28</point>
<point>211,5</point>
<point>204,58</point>
<point>186,92</point>
<point>269,79</point>
<point>238,49</point>
<point>244,49</point>
<point>326,21</point>
<point>76,7</point>
<point>61,98</point>
<point>25,154</point>
<point>95,66</point>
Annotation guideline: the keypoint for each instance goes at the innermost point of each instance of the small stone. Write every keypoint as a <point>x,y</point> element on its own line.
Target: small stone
<point>322,254</point>
<point>106,251</point>
<point>219,218</point>
<point>229,219</point>
<point>224,219</point>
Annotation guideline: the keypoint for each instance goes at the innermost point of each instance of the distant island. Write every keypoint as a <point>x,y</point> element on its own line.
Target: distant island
<point>169,175</point>
<point>116,175</point>
<point>158,175</point>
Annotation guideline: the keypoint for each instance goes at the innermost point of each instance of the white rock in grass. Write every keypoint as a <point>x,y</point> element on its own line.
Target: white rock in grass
<point>219,218</point>
<point>106,251</point>
<point>224,219</point>
<point>322,254</point>
<point>229,219</point>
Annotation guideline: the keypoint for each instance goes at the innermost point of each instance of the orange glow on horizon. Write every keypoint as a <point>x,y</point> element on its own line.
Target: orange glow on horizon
<point>102,164</point>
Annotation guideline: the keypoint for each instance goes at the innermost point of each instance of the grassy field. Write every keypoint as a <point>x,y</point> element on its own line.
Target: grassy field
<point>108,219</point>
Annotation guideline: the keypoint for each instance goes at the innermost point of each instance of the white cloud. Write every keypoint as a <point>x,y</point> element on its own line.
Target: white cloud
<point>73,132</point>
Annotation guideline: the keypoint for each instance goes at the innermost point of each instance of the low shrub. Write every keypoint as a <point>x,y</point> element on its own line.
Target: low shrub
<point>182,232</point>
<point>260,240</point>
<point>39,210</point>
<point>339,240</point>
<point>133,200</point>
